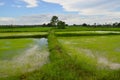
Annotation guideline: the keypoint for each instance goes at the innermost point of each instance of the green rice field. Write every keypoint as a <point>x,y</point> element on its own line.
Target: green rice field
<point>99,54</point>
<point>96,47</point>
<point>61,55</point>
<point>18,56</point>
<point>12,47</point>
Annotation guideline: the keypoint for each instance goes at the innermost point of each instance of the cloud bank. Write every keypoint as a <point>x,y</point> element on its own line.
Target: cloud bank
<point>90,7</point>
<point>89,11</point>
<point>69,19</point>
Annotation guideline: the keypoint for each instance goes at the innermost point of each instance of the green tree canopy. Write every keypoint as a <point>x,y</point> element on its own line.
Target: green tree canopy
<point>61,25</point>
<point>54,21</point>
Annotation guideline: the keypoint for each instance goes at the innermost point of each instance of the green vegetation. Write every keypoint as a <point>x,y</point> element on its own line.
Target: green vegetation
<point>61,65</point>
<point>79,52</point>
<point>55,22</point>
<point>82,28</point>
<point>12,35</point>
<point>102,52</point>
<point>87,33</point>
<point>13,65</point>
<point>106,46</point>
<point>61,25</point>
<point>12,47</point>
<point>69,64</point>
<point>59,29</point>
<point>25,29</point>
<point>76,53</point>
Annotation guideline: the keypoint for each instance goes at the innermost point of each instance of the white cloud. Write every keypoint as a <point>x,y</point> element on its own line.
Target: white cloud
<point>6,20</point>
<point>17,6</point>
<point>69,19</point>
<point>90,7</point>
<point>2,4</point>
<point>26,20</point>
<point>31,3</point>
<point>90,11</point>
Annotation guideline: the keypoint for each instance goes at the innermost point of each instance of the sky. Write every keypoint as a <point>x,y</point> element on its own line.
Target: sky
<point>31,12</point>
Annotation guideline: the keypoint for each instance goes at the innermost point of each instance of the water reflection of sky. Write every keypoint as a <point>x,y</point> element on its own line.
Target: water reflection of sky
<point>42,43</point>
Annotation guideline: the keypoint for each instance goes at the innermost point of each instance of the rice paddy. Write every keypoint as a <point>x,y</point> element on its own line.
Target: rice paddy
<point>18,56</point>
<point>94,46</point>
<point>61,55</point>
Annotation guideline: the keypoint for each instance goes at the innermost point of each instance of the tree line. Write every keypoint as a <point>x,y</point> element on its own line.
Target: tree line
<point>116,24</point>
<point>55,22</point>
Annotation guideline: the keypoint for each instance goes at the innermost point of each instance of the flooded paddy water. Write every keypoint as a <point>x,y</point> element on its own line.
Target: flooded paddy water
<point>91,53</point>
<point>18,56</point>
<point>102,51</point>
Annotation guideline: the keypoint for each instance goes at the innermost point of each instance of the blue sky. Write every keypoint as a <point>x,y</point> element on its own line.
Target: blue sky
<point>14,8</point>
<point>71,11</point>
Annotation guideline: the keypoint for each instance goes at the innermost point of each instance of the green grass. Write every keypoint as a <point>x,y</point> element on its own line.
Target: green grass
<point>22,33</point>
<point>101,52</point>
<point>34,56</point>
<point>107,46</point>
<point>27,29</point>
<point>46,29</point>
<point>86,56</point>
<point>86,33</point>
<point>62,66</point>
<point>81,28</point>
<point>12,47</point>
<point>12,35</point>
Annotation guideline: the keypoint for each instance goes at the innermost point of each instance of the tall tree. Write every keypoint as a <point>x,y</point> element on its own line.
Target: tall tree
<point>54,21</point>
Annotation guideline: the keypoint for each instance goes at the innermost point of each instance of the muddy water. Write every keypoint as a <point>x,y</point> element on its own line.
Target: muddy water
<point>32,58</point>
